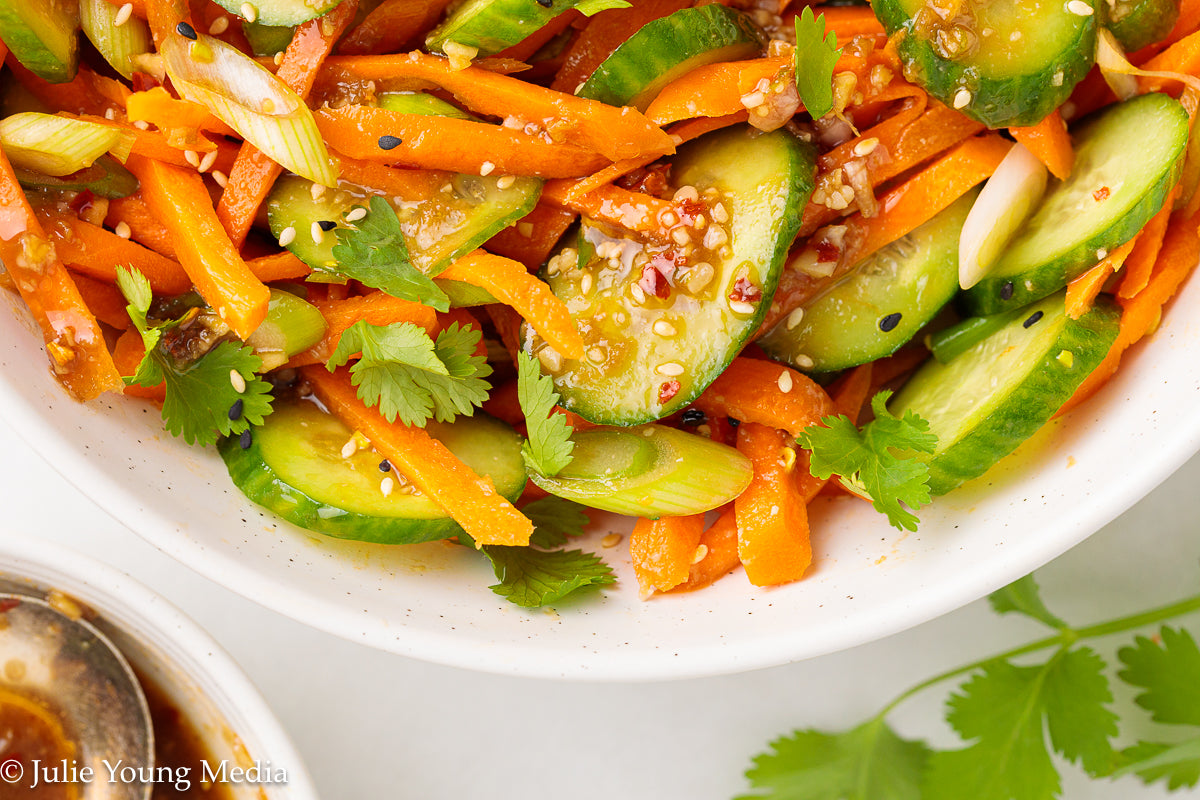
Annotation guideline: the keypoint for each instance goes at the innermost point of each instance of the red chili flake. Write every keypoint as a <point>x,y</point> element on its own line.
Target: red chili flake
<point>827,252</point>
<point>143,81</point>
<point>654,282</point>
<point>83,201</point>
<point>667,391</point>
<point>690,209</point>
<point>654,181</point>
<point>745,291</point>
<point>1100,194</point>
<point>8,604</point>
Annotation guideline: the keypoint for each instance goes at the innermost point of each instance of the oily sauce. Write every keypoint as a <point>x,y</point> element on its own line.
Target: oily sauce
<point>178,746</point>
<point>31,730</point>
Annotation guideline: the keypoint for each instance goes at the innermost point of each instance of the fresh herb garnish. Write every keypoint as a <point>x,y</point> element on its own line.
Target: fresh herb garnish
<point>375,253</point>
<point>555,520</point>
<point>1013,720</point>
<point>199,393</point>
<point>411,377</point>
<point>875,462</point>
<point>816,56</point>
<point>548,448</point>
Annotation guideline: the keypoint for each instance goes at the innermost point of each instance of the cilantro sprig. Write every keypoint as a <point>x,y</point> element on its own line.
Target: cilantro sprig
<point>548,449</point>
<point>816,56</point>
<point>1016,720</point>
<point>200,394</point>
<point>876,461</point>
<point>410,376</point>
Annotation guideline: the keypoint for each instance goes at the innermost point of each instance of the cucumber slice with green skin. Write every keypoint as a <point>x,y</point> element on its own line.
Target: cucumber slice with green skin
<point>652,354</point>
<point>420,103</point>
<point>438,226</point>
<point>106,177</point>
<point>494,25</point>
<point>878,307</point>
<point>1004,63</point>
<point>651,471</point>
<point>294,468</point>
<point>1120,180</point>
<point>266,40</point>
<point>280,13</point>
<point>1137,23</point>
<point>669,47</point>
<point>988,400</point>
<point>43,35</point>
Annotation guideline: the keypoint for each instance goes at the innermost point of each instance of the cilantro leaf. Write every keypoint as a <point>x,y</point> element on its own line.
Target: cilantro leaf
<point>869,762</point>
<point>408,375</point>
<point>870,462</point>
<point>590,7</point>
<point>199,394</point>
<point>555,520</point>
<point>1006,710</point>
<point>1170,674</point>
<point>1177,764</point>
<point>375,253</point>
<point>816,56</point>
<point>548,448</point>
<point>531,578</point>
<point>1023,597</point>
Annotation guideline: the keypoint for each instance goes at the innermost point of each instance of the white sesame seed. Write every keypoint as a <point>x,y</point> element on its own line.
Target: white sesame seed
<point>699,222</point>
<point>237,381</point>
<point>355,214</point>
<point>317,234</point>
<point>525,229</point>
<point>681,237</point>
<point>1080,8</point>
<point>701,552</point>
<point>866,147</point>
<point>784,381</point>
<point>386,485</point>
<point>219,26</point>
<point>550,358</point>
<point>349,448</point>
<point>803,362</point>
<point>122,229</point>
<point>715,237</point>
<point>585,283</point>
<point>962,98</point>
<point>720,214</point>
<point>611,540</point>
<point>249,12</point>
<point>1101,254</point>
<point>700,276</point>
<point>669,218</point>
<point>793,319</point>
<point>685,193</point>
<point>753,99</point>
<point>141,124</point>
<point>207,161</point>
<point>123,14</point>
<point>596,355</point>
<point>192,157</point>
<point>663,328</point>
<point>486,168</point>
<point>741,307</point>
<point>506,181</point>
<point>670,369</point>
<point>220,177</point>
<point>287,236</point>
<point>110,113</point>
<point>316,190</point>
<point>639,295</point>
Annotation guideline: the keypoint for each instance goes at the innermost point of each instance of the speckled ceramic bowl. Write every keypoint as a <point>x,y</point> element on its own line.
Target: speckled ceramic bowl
<point>168,649</point>
<point>432,601</point>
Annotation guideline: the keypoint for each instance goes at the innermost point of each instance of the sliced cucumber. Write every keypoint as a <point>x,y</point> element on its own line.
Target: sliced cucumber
<point>649,356</point>
<point>494,25</point>
<point>283,13</point>
<point>292,326</point>
<point>1003,63</point>
<point>117,43</point>
<point>43,35</point>
<point>984,403</point>
<point>1137,23</point>
<point>294,468</point>
<point>267,40</point>
<point>878,307</point>
<point>439,226</point>
<point>650,471</point>
<point>420,103</point>
<point>670,47</point>
<point>1120,180</point>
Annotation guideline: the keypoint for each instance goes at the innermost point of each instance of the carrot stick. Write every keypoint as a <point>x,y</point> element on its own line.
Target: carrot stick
<point>604,33</point>
<point>282,266</point>
<point>97,252</point>
<point>77,96</point>
<point>508,325</point>
<point>532,239</point>
<point>254,173</point>
<point>850,21</point>
<point>104,300</point>
<point>631,211</point>
<point>712,90</point>
<point>470,499</point>
<point>144,227</point>
<point>376,308</point>
<point>852,391</point>
<point>504,404</point>
<point>1182,56</point>
<point>160,109</point>
<point>772,519</point>
<point>720,546</point>
<point>1140,264</point>
<point>663,551</point>
<point>390,26</point>
<point>1082,292</point>
<point>456,145</point>
<point>511,284</point>
<point>750,390</point>
<point>128,355</point>
<point>1050,142</point>
<point>182,202</point>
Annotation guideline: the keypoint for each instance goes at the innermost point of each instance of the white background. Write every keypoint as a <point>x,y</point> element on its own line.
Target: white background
<point>374,725</point>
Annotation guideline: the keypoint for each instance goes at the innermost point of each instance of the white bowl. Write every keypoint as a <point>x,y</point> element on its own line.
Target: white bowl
<point>192,671</point>
<point>432,601</point>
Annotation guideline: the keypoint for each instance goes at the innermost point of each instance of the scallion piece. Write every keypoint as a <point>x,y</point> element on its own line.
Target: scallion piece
<point>117,43</point>
<point>104,178</point>
<point>58,146</point>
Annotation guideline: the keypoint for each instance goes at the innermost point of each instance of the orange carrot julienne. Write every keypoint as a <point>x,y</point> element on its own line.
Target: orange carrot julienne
<point>712,90</point>
<point>1140,264</point>
<point>376,308</point>
<point>511,284</point>
<point>850,21</point>
<point>127,355</point>
<point>719,544</point>
<point>631,211</point>
<point>772,518</point>
<point>181,200</point>
<point>144,227</point>
<point>104,300</point>
<point>469,498</point>
<point>282,266</point>
<point>531,240</point>
<point>390,26</point>
<point>852,392</point>
<point>159,108</point>
<point>508,325</point>
<point>1082,292</point>
<point>1050,142</point>
<point>97,252</point>
<point>663,551</point>
<point>751,390</point>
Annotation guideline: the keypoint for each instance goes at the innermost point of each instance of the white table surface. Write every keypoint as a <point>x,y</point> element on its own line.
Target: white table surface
<point>374,725</point>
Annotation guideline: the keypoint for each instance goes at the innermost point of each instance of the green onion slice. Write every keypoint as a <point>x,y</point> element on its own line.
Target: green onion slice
<point>58,146</point>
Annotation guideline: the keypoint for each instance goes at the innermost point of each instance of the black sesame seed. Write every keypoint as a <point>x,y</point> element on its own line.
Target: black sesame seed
<point>385,466</point>
<point>390,142</point>
<point>326,224</point>
<point>1006,290</point>
<point>692,416</point>
<point>235,410</point>
<point>889,323</point>
<point>545,3</point>
<point>245,439</point>
<point>186,31</point>
<point>733,423</point>
<point>1033,318</point>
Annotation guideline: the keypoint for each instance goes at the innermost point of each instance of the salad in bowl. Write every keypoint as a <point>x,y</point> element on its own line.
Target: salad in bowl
<point>480,271</point>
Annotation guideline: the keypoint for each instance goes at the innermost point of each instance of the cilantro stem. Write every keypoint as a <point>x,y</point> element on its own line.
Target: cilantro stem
<point>1064,638</point>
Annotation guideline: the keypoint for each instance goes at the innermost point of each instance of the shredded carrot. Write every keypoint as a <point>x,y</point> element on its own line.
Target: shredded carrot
<point>282,266</point>
<point>1140,264</point>
<point>469,498</point>
<point>511,284</point>
<point>1182,56</point>
<point>97,252</point>
<point>712,90</point>
<point>104,300</point>
<point>850,21</point>
<point>720,546</point>
<point>80,95</point>
<point>1050,142</point>
<point>531,240</point>
<point>750,390</point>
<point>1082,292</point>
<point>144,227</point>
<point>376,308</point>
<point>852,392</point>
<point>390,26</point>
<point>160,109</point>
<point>631,211</point>
<point>663,551</point>
<point>772,518</point>
<point>182,202</point>
<point>508,325</point>
<point>127,355</point>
